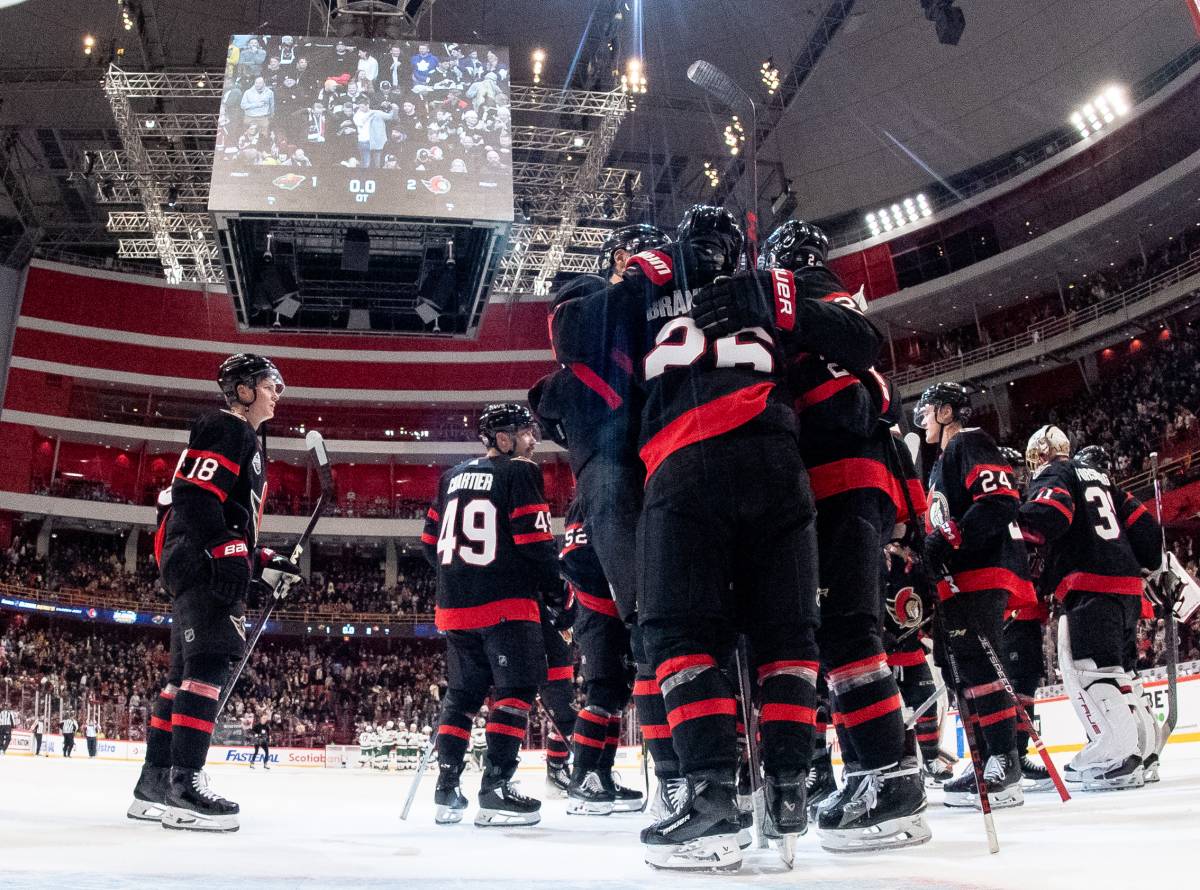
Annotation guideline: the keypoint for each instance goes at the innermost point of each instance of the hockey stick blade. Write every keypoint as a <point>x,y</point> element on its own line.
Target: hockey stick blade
<point>426,759</point>
<point>315,443</point>
<point>1171,636</point>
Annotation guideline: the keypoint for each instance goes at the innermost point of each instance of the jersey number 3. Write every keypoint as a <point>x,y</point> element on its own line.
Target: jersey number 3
<point>478,527</point>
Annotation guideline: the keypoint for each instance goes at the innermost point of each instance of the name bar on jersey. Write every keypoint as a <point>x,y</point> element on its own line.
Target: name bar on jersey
<point>473,481</point>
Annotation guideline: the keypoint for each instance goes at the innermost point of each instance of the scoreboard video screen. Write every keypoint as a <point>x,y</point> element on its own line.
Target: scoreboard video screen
<point>409,128</point>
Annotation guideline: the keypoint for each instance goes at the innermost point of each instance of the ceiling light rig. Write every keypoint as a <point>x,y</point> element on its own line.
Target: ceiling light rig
<point>714,177</point>
<point>770,76</point>
<point>908,211</point>
<point>89,44</point>
<point>1102,110</point>
<point>539,59</point>
<point>633,81</point>
<point>735,135</point>
<point>126,19</point>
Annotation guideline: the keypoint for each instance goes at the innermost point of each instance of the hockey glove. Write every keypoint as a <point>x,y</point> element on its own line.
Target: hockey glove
<point>939,544</point>
<point>278,572</point>
<point>730,304</point>
<point>230,569</point>
<point>560,608</point>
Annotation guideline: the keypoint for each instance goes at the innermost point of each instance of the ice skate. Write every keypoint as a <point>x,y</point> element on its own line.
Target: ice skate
<point>668,795</point>
<point>1150,769</point>
<point>150,794</point>
<point>558,780</point>
<point>884,811</point>
<point>1036,776</point>
<point>587,796</point>
<point>625,800</point>
<point>192,806</point>
<point>501,804</point>
<point>448,797</point>
<point>1001,772</point>
<point>820,782</point>
<point>1123,776</point>
<point>702,834</point>
<point>787,813</point>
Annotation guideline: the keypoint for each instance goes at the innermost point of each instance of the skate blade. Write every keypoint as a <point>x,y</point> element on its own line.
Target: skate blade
<point>1036,786</point>
<point>719,853</point>
<point>1150,776</point>
<point>785,846</point>
<point>1123,783</point>
<point>185,820</point>
<point>894,834</point>
<point>502,818</point>
<point>554,792</point>
<point>589,807</point>
<point>630,806</point>
<point>447,815</point>
<point>145,811</point>
<point>1000,800</point>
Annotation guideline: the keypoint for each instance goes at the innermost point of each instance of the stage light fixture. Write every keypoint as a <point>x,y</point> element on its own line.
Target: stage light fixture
<point>1104,108</point>
<point>539,59</point>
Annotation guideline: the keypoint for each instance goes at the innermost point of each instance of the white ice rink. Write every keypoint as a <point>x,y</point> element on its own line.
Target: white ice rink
<point>63,824</point>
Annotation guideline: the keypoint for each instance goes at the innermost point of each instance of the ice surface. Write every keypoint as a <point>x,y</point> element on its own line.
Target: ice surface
<point>62,823</point>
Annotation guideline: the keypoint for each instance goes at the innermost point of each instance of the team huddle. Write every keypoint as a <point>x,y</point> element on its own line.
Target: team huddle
<point>751,555</point>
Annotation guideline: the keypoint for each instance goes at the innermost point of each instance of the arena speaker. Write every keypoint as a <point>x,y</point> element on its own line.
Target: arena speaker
<point>356,250</point>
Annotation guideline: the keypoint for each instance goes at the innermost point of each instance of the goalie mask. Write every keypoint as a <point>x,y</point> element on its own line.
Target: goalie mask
<point>1048,443</point>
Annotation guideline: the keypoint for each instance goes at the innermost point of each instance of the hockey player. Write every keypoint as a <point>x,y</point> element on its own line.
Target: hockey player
<point>725,498</point>
<point>388,746</point>
<point>207,553</point>
<point>557,692</point>
<point>606,666</point>
<point>626,243</point>
<point>846,444</point>
<point>1092,570</point>
<point>975,551</point>
<point>366,746</point>
<point>1023,655</point>
<point>488,535</point>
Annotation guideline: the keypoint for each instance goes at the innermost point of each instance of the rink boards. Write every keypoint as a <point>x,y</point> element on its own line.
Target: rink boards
<point>1056,722</point>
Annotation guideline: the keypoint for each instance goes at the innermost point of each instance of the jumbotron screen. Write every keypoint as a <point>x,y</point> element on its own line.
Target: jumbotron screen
<point>410,128</point>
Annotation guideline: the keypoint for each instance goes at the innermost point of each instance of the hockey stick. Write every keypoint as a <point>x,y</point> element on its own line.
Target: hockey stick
<point>969,727</point>
<point>1023,717</point>
<point>924,706</point>
<point>426,759</point>
<point>1171,638</point>
<point>742,662</point>
<point>320,458</point>
<point>645,777</point>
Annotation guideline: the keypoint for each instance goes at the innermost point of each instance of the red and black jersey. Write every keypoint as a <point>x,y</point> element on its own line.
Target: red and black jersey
<point>219,487</point>
<point>581,566</point>
<point>1073,512</point>
<point>690,389</point>
<point>488,535</point>
<point>971,484</point>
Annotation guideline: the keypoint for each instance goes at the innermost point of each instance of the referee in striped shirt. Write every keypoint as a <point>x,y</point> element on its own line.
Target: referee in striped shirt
<point>8,719</point>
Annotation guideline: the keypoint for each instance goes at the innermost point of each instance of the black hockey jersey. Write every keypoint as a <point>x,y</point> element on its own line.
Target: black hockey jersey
<point>1076,514</point>
<point>971,484</point>
<point>581,566</point>
<point>690,389</point>
<point>219,487</point>
<point>488,535</point>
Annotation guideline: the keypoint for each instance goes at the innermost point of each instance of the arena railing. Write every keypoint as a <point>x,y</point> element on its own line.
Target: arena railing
<point>120,600</point>
<point>1039,334</point>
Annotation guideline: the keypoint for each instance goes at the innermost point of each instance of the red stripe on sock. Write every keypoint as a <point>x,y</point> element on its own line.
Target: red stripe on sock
<point>655,731</point>
<point>779,713</point>
<point>709,707</point>
<point>519,704</point>
<point>682,662</point>
<point>192,723</point>
<point>517,732</point>
<point>159,723</point>
<point>591,743</point>
<point>870,712</point>
<point>456,731</point>
<point>593,718</point>
<point>646,687</point>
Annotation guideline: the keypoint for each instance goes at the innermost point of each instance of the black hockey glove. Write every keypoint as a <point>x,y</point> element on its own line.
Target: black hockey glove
<point>230,569</point>
<point>730,304</point>
<point>939,544</point>
<point>278,573</point>
<point>560,608</point>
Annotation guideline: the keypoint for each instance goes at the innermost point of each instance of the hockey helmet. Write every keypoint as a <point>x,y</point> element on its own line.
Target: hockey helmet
<point>1094,457</point>
<point>1013,458</point>
<point>390,725</point>
<point>714,238</point>
<point>427,729</point>
<point>1048,443</point>
<point>633,239</point>
<point>507,417</point>
<point>793,245</point>
<point>246,369</point>
<point>945,393</point>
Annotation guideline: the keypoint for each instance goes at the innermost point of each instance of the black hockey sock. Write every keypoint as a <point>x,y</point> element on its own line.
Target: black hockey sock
<point>701,711</point>
<point>609,756</point>
<point>915,680</point>
<point>506,726</point>
<point>652,720</point>
<point>158,734</point>
<point>867,704</point>
<point>454,727</point>
<point>557,751</point>
<point>591,733</point>
<point>558,701</point>
<point>787,714</point>
<point>195,710</point>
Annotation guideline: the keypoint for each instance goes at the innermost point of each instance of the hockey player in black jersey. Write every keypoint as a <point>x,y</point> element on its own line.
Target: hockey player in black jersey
<point>488,535</point>
<point>846,445</point>
<point>976,551</point>
<point>606,666</point>
<point>557,691</point>
<point>206,548</point>
<point>1079,517</point>
<point>725,498</point>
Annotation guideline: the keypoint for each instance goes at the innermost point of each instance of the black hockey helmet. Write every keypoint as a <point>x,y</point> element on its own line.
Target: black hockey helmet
<point>794,245</point>
<point>506,417</point>
<point>1012,457</point>
<point>1094,457</point>
<point>633,239</point>
<point>246,369</point>
<point>945,393</point>
<point>713,236</point>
